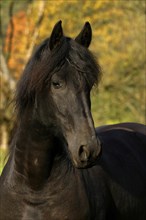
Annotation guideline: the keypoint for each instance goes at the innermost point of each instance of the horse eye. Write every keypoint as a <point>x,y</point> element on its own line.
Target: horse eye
<point>56,84</point>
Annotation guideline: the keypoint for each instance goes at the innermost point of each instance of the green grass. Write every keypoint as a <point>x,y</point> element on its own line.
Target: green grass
<point>3,154</point>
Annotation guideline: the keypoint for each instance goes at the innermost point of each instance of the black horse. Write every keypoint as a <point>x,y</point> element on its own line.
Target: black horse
<point>55,136</point>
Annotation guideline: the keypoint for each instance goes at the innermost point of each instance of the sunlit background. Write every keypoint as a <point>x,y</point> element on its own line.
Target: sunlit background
<point>118,43</point>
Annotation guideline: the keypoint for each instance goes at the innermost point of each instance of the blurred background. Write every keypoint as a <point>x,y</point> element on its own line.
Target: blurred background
<point>119,32</point>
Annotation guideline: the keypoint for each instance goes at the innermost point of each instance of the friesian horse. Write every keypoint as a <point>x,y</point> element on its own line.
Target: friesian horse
<point>60,167</point>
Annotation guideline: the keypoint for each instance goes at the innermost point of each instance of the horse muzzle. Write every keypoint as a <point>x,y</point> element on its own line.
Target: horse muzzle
<point>85,154</point>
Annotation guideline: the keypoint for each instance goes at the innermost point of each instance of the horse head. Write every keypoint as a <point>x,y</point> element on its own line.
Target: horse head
<point>61,74</point>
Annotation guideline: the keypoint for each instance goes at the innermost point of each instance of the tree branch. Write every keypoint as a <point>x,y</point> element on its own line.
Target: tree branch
<point>11,30</point>
<point>36,29</point>
<point>5,72</point>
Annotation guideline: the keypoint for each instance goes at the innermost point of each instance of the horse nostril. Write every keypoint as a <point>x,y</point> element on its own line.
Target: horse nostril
<point>83,153</point>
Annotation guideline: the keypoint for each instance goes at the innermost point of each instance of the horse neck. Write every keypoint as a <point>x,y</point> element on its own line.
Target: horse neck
<point>33,152</point>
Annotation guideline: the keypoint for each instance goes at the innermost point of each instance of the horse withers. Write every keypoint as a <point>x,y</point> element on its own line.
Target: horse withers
<point>60,167</point>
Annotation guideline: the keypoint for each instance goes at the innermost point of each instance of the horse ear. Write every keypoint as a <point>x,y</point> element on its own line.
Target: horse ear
<point>85,36</point>
<point>56,36</point>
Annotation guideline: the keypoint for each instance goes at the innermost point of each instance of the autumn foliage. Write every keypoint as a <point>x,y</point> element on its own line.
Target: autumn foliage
<point>19,43</point>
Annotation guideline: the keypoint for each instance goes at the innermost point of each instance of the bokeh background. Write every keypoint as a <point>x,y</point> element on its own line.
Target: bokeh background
<point>119,34</point>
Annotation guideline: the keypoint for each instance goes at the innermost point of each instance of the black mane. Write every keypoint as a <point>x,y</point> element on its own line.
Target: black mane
<point>44,63</point>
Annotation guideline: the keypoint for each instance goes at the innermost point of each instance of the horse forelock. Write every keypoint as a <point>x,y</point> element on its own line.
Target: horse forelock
<point>84,63</point>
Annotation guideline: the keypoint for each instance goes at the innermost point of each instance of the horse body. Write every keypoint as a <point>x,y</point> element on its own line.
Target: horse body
<point>55,135</point>
<point>112,189</point>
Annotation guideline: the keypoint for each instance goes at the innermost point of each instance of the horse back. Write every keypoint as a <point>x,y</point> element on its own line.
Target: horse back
<point>127,126</point>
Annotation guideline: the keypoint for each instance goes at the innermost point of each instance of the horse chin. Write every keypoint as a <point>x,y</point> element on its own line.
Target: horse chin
<point>85,165</point>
